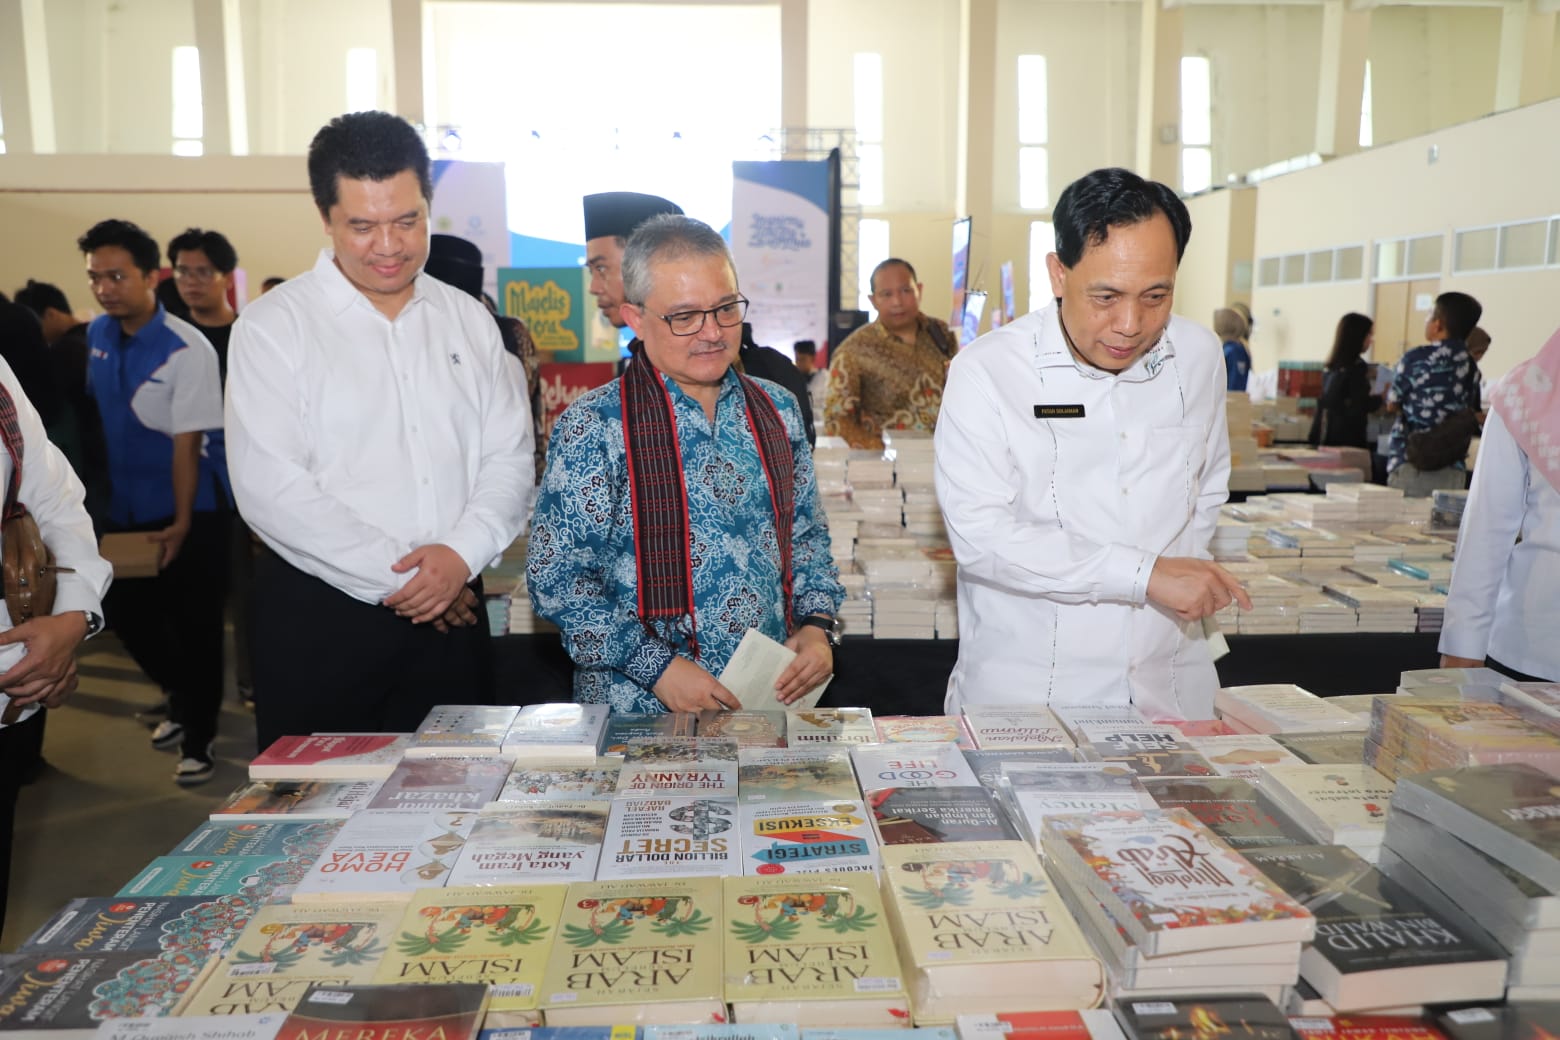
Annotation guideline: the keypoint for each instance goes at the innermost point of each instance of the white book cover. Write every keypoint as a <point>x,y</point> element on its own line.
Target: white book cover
<point>1246,756</point>
<point>462,729</point>
<point>754,669</point>
<point>385,854</point>
<point>880,766</point>
<point>1042,789</point>
<point>523,842</point>
<point>830,726</point>
<point>807,837</point>
<point>557,729</point>
<point>671,836</point>
<point>1098,719</point>
<point>1015,727</point>
<point>1341,804</point>
<point>1284,708</point>
<point>194,1027</point>
<point>679,766</point>
<point>561,778</point>
<point>813,773</point>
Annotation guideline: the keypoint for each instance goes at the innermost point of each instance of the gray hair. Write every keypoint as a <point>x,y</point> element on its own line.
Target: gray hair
<point>667,236</point>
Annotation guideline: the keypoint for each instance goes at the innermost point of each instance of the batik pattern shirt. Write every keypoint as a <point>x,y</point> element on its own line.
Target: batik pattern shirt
<point>1433,382</point>
<point>580,563</point>
<point>879,382</point>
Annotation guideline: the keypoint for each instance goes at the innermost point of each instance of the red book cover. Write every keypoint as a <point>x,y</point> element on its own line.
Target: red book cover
<point>1044,1025</point>
<point>1366,1027</point>
<point>451,1010</point>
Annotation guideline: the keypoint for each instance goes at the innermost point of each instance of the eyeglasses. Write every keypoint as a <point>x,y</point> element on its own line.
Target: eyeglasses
<point>688,323</point>
<point>194,274</point>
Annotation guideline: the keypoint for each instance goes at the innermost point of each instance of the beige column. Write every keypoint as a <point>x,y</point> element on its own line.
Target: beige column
<point>406,34</point>
<point>1527,40</point>
<point>25,94</point>
<point>219,39</point>
<point>976,145</point>
<point>1340,82</point>
<point>793,76</point>
<point>1159,94</point>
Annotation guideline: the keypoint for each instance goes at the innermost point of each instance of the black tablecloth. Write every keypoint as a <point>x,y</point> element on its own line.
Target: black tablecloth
<point>909,676</point>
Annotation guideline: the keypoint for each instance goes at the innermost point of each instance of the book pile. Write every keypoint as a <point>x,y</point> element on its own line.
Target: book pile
<point>1244,756</point>
<point>1229,539</point>
<point>1035,791</point>
<point>1485,840</point>
<point>1380,609</point>
<point>856,609</point>
<point>1275,607</point>
<point>1321,613</point>
<point>1281,708</point>
<point>1171,908</point>
<point>1335,804</point>
<point>1318,510</point>
<point>903,612</point>
<point>1233,809</point>
<point>1372,504</point>
<point>1541,697</point>
<point>556,730</point>
<point>1418,734</point>
<point>1446,510</point>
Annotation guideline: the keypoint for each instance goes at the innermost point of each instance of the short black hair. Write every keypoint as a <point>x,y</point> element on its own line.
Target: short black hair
<point>127,236</point>
<point>365,146</point>
<point>805,346</point>
<point>213,243</point>
<point>1096,202</point>
<point>1459,313</point>
<point>890,262</point>
<point>40,296</point>
<point>272,282</point>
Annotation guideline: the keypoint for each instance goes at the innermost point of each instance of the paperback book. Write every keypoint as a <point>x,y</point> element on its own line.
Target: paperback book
<point>1171,758</point>
<point>922,729</point>
<point>681,835</point>
<point>1015,727</point>
<point>556,730</point>
<point>792,774</point>
<point>1089,1024</point>
<point>204,876</point>
<point>620,729</point>
<point>679,766</point>
<point>1486,886</point>
<point>115,924</point>
<point>750,729</point>
<point>446,783</point>
<point>813,951</point>
<point>922,815</point>
<point>561,779</point>
<point>1088,719</point>
<point>987,765</point>
<point>1283,708</point>
<point>1244,756</point>
<point>65,993</point>
<point>830,726</point>
<point>1324,749</point>
<point>524,842</point>
<point>637,952</point>
<point>281,837</point>
<point>1511,812</point>
<point>806,838</point>
<point>1251,1018</point>
<point>297,800</point>
<point>386,854</point>
<point>1535,1021</point>
<point>1037,791</point>
<point>1345,805</point>
<point>462,729</point>
<point>331,756</point>
<point>1233,809</point>
<point>188,1027</point>
<point>880,766</point>
<point>450,1012</point>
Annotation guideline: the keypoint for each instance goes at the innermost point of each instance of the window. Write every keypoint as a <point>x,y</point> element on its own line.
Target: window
<point>1196,125</point>
<point>1034,185</point>
<point>1523,245</point>
<point>871,250</point>
<point>1332,264</point>
<point>1474,250</point>
<point>1042,241</point>
<point>188,115</point>
<point>362,79</point>
<point>1367,120</point>
<point>1398,258</point>
<point>868,83</point>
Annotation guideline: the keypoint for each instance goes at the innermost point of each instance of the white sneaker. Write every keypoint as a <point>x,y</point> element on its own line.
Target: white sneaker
<point>167,734</point>
<point>191,772</point>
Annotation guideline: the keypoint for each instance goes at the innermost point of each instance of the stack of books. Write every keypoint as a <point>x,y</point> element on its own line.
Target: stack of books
<point>1541,697</point>
<point>1335,804</point>
<point>903,612</point>
<point>1233,809</point>
<point>856,610</point>
<point>1034,791</point>
<point>1275,607</point>
<point>1446,510</point>
<point>1244,756</point>
<point>1319,612</point>
<point>1418,734</point>
<point>1373,503</point>
<point>1281,708</point>
<point>1380,609</point>
<point>556,731</point>
<point>1485,841</point>
<point>1229,539</point>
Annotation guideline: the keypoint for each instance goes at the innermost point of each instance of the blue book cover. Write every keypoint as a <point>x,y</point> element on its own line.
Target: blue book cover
<point>920,1033</point>
<point>118,924</point>
<point>258,838</point>
<point>751,1031</point>
<point>623,1032</point>
<point>204,876</point>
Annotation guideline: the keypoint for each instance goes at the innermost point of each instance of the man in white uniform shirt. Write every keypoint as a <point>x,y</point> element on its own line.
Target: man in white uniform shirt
<point>1082,457</point>
<point>381,447</point>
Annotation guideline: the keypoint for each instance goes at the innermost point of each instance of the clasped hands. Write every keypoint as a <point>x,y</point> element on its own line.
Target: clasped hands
<point>438,592</point>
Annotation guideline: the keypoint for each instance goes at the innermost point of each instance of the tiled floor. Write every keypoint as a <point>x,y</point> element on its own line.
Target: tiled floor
<point>107,802</point>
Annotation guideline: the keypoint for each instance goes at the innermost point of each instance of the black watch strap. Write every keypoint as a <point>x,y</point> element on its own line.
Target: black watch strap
<point>830,626</point>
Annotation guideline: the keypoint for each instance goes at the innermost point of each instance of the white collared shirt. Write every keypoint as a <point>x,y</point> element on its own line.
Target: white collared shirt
<point>54,496</point>
<point>353,439</point>
<point>1061,485</point>
<point>1502,602</point>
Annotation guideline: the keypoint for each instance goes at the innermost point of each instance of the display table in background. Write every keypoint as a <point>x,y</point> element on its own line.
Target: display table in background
<point>909,676</point>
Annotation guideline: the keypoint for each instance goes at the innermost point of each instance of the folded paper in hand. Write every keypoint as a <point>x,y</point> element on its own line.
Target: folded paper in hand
<point>753,669</point>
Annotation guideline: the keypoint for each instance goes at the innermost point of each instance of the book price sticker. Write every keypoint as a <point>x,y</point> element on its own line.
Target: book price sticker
<point>1320,1025</point>
<point>877,984</point>
<point>513,989</point>
<point>940,955</point>
<point>1161,1007</point>
<point>240,971</point>
<point>330,996</point>
<point>564,998</point>
<point>1465,1016</point>
<point>1164,918</point>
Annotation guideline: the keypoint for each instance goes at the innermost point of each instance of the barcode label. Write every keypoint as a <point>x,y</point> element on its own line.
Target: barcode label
<point>940,955</point>
<point>877,985</point>
<point>239,971</point>
<point>330,996</point>
<point>1323,1025</point>
<point>1163,1007</point>
<point>1464,1016</point>
<point>1163,918</point>
<point>513,989</point>
<point>564,998</point>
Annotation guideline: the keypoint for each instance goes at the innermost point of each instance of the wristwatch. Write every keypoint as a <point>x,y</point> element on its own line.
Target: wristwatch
<point>831,626</point>
<point>94,623</point>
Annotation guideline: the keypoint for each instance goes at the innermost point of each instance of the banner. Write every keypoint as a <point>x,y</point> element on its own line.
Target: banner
<point>469,201</point>
<point>563,384</point>
<point>553,303</point>
<point>780,241</point>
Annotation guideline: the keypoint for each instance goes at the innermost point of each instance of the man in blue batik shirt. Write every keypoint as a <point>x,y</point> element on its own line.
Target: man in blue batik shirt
<point>1434,382</point>
<point>679,507</point>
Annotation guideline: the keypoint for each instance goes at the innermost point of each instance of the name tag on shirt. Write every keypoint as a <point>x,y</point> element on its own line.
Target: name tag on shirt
<point>1058,411</point>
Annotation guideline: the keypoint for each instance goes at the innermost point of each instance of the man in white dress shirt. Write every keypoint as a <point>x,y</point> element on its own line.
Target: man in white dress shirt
<point>381,447</point>
<point>1082,457</point>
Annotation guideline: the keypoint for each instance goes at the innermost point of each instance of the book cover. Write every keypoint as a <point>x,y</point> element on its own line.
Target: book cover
<point>620,729</point>
<point>331,756</point>
<point>806,837</point>
<point>922,729</point>
<point>890,1033</point>
<point>1038,790</point>
<point>1364,1027</point>
<point>637,951</point>
<point>880,766</point>
<point>561,779</point>
<point>679,766</point>
<point>114,924</point>
<point>830,726</point>
<point>557,729</point>
<point>1333,802</point>
<point>1376,944</point>
<point>463,729</point>
<point>191,1027</point>
<point>1015,727</point>
<point>1324,749</point>
<point>444,783</point>
<point>386,854</point>
<point>1244,756</point>
<point>1031,1025</point>
<point>52,990</point>
<point>303,838</point>
<point>1475,879</point>
<point>1526,1021</point>
<point>203,876</point>
<point>525,842</point>
<point>792,774</point>
<point>750,729</point>
<point>623,1032</point>
<point>1202,1018</point>
<point>811,950</point>
<point>1232,809</point>
<point>1169,759</point>
<point>752,1031</point>
<point>1510,811</point>
<point>297,800</point>
<point>284,948</point>
<point>676,835</point>
<point>1283,708</point>
<point>1076,719</point>
<point>987,765</point>
<point>452,1011</point>
<point>1171,882</point>
<point>920,815</point>
<point>495,935</point>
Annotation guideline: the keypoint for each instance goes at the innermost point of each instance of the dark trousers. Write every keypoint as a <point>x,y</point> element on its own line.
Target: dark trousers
<point>172,626</point>
<point>19,747</point>
<point>325,662</point>
<point>241,581</point>
<point>1513,674</point>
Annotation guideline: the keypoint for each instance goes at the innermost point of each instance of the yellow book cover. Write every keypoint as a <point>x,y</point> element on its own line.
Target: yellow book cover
<point>498,934</point>
<point>645,951</point>
<point>284,949</point>
<point>813,949</point>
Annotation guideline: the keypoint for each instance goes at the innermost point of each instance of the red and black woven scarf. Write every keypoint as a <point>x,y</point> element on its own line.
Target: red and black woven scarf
<point>662,535</point>
<point>11,434</point>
